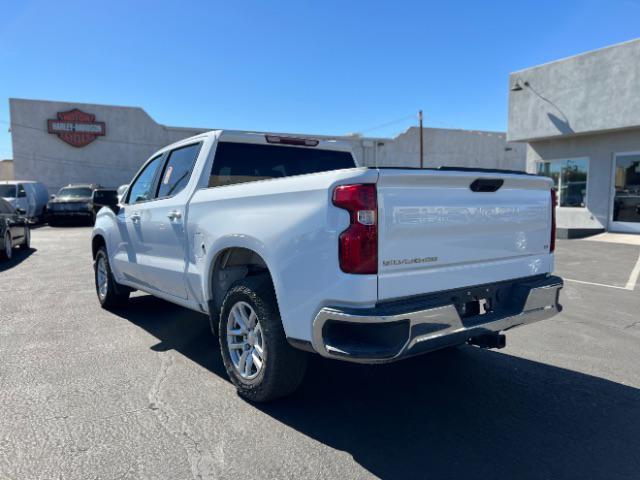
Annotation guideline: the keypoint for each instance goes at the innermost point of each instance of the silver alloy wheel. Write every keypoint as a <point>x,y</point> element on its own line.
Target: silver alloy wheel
<point>102,278</point>
<point>8,247</point>
<point>245,340</point>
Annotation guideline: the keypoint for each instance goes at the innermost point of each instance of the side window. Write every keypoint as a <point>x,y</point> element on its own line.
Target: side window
<point>142,188</point>
<point>21,191</point>
<point>177,170</point>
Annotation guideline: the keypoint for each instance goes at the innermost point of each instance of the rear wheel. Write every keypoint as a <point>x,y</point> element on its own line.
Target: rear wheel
<point>110,293</point>
<point>258,359</point>
<point>7,251</point>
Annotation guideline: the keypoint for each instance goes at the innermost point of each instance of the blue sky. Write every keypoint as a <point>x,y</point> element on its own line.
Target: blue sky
<point>327,67</point>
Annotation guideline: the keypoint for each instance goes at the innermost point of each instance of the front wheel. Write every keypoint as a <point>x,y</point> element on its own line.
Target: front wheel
<point>26,243</point>
<point>258,359</point>
<point>110,293</point>
<point>7,251</point>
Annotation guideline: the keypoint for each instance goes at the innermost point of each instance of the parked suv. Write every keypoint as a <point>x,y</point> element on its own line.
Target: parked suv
<point>73,202</point>
<point>291,247</point>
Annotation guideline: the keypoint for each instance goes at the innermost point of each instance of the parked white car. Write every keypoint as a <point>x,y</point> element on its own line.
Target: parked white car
<point>290,248</point>
<point>28,196</point>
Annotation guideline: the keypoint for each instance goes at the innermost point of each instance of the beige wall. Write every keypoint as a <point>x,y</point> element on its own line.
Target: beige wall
<point>6,170</point>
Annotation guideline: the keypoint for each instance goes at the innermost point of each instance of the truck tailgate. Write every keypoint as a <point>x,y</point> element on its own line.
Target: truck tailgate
<point>436,233</point>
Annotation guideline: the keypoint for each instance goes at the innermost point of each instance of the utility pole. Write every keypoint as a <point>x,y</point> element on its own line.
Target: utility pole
<point>421,141</point>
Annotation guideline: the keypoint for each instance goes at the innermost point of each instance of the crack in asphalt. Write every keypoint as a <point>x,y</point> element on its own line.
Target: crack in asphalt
<point>168,419</point>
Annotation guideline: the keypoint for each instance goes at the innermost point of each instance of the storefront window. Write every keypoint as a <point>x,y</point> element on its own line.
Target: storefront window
<point>570,179</point>
<point>626,203</point>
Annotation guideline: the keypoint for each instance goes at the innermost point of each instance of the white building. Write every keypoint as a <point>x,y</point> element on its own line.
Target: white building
<point>580,118</point>
<point>59,143</point>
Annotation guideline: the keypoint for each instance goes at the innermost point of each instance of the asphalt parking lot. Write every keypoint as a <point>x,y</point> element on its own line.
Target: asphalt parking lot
<point>85,393</point>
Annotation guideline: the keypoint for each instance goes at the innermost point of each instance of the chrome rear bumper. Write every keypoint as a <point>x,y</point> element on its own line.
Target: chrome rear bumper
<point>390,332</point>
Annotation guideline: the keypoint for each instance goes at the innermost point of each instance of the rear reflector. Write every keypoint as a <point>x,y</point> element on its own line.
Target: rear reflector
<point>554,204</point>
<point>303,142</point>
<point>358,244</point>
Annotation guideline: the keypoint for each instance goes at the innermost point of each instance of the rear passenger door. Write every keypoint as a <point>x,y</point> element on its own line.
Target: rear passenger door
<point>162,223</point>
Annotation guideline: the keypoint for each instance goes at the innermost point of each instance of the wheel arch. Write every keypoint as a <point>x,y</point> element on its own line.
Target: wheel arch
<point>229,265</point>
<point>98,240</point>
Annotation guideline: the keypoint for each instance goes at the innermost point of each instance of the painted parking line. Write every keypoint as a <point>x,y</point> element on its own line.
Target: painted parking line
<point>595,284</point>
<point>633,278</point>
<point>630,285</point>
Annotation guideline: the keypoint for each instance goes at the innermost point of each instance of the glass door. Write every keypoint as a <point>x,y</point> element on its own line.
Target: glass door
<point>626,193</point>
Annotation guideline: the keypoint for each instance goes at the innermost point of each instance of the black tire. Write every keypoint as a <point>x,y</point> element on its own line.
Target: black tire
<point>26,243</point>
<point>283,366</point>
<point>6,253</point>
<point>116,295</point>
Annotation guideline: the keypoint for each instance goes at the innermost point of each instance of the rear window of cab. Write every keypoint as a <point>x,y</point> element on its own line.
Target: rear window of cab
<point>248,162</point>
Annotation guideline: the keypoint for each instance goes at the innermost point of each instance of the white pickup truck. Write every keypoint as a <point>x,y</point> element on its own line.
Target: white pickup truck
<point>290,247</point>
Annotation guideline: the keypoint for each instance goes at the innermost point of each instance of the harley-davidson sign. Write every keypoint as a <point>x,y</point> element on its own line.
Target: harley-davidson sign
<point>76,127</point>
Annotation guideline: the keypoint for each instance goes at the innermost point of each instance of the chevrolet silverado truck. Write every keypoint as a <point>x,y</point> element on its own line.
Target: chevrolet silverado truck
<point>290,247</point>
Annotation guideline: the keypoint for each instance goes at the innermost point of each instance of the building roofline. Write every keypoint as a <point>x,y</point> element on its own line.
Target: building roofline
<point>465,130</point>
<point>589,52</point>
<point>129,107</point>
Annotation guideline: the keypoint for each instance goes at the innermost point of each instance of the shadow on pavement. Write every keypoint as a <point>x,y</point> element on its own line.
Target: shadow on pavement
<point>19,256</point>
<point>464,413</point>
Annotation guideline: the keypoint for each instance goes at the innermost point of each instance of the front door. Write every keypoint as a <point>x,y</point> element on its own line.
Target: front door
<point>131,253</point>
<point>162,224</point>
<point>625,216</point>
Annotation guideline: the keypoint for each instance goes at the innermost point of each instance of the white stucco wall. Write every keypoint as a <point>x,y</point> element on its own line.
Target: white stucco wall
<point>600,150</point>
<point>588,93</point>
<point>132,136</point>
<point>453,148</point>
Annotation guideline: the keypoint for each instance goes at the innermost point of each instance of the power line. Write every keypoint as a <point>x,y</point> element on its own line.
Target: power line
<point>388,124</point>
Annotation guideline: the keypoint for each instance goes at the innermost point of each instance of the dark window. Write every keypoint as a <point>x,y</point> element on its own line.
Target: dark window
<point>21,191</point>
<point>246,162</point>
<point>8,191</point>
<point>105,197</point>
<point>177,170</point>
<point>142,188</point>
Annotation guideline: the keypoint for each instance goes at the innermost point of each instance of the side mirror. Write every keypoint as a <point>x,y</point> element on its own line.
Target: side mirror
<point>21,211</point>
<point>52,197</point>
<point>106,198</point>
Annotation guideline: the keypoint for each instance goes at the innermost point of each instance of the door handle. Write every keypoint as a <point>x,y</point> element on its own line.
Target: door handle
<point>174,215</point>
<point>135,217</point>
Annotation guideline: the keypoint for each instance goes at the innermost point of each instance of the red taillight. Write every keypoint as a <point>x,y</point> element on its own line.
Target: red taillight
<point>358,244</point>
<point>554,203</point>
